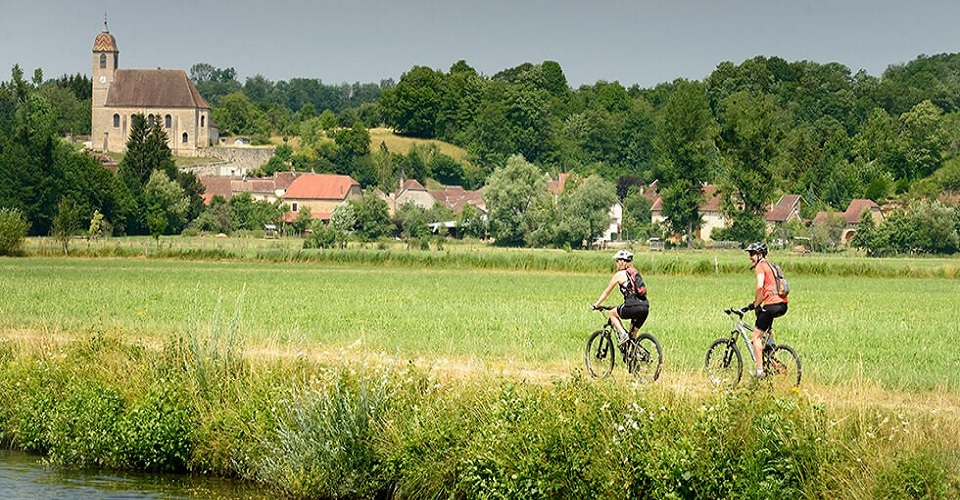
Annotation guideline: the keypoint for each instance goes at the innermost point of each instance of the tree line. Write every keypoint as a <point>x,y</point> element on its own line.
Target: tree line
<point>756,130</point>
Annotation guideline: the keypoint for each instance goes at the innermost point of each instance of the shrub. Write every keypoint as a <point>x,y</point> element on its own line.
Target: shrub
<point>13,231</point>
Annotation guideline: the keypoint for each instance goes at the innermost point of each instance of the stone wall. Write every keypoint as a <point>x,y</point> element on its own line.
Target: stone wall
<point>235,161</point>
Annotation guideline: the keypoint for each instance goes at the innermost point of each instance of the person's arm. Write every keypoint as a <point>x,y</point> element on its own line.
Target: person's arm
<point>606,292</point>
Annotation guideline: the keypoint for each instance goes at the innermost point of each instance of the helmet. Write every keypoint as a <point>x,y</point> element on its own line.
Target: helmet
<point>623,255</point>
<point>757,247</point>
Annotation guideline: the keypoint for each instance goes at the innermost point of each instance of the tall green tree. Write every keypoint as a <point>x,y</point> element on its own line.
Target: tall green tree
<point>687,150</point>
<point>514,195</point>
<point>584,212</point>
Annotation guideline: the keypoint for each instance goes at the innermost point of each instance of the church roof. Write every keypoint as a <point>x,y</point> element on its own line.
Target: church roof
<point>105,42</point>
<point>153,88</point>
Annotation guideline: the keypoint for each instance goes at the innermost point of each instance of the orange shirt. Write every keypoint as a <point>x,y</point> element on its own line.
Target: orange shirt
<point>769,295</point>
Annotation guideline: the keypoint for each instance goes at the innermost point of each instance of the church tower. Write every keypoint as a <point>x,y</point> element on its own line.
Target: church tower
<point>105,61</point>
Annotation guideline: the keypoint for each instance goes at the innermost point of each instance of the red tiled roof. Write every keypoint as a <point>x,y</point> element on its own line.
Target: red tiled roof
<point>320,187</point>
<point>214,186</point>
<point>153,88</point>
<point>856,207</point>
<point>711,201</point>
<point>291,216</point>
<point>412,185</point>
<point>785,206</point>
<point>455,198</point>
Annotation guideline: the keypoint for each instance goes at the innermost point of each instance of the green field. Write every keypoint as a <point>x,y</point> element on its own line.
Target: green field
<point>899,333</point>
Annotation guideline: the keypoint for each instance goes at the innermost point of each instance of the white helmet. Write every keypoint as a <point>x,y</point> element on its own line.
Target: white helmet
<point>623,255</point>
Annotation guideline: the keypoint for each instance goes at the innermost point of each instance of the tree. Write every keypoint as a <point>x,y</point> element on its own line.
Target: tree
<point>166,204</point>
<point>514,194</point>
<point>302,221</point>
<point>13,231</point>
<point>471,223</point>
<point>66,223</point>
<point>636,214</point>
<point>237,115</point>
<point>584,212</point>
<point>687,151</point>
<point>412,107</point>
<point>750,136</point>
<point>372,218</point>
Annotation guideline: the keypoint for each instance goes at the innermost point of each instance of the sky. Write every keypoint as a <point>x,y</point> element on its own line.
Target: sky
<point>638,42</point>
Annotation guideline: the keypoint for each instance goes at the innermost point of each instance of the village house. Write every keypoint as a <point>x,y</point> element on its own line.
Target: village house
<point>322,193</point>
<point>786,209</point>
<point>851,217</point>
<point>164,95</point>
<point>710,214</point>
<point>267,189</point>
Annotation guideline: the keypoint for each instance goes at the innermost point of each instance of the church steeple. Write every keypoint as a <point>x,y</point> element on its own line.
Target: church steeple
<point>106,58</point>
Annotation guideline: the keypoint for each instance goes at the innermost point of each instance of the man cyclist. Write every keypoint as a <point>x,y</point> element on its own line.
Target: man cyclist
<point>635,306</point>
<point>767,303</point>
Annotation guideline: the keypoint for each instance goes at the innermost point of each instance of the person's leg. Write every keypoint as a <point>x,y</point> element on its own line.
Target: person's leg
<point>763,324</point>
<point>618,323</point>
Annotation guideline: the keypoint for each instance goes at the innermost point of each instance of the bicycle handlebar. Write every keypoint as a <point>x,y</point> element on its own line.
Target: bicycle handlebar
<point>737,311</point>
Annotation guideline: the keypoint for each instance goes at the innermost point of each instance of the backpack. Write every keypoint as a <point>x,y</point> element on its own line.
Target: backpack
<point>782,285</point>
<point>635,283</point>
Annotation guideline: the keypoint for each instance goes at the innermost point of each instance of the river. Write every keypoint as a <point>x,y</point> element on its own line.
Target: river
<point>24,476</point>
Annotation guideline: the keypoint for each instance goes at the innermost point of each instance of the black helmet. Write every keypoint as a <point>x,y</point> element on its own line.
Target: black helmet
<point>757,247</point>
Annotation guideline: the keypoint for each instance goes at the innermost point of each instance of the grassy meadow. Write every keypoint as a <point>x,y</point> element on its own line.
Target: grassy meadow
<point>393,373</point>
<point>896,332</point>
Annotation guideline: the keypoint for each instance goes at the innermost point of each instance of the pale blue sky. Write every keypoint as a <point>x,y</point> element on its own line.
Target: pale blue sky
<point>633,42</point>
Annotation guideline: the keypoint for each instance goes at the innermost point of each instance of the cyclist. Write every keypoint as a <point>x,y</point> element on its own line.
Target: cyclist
<point>766,302</point>
<point>635,306</point>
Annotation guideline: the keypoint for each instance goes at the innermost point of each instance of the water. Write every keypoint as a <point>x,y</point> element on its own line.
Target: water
<point>24,476</point>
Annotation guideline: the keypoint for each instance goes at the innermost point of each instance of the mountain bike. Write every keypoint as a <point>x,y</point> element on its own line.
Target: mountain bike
<point>642,355</point>
<point>781,365</point>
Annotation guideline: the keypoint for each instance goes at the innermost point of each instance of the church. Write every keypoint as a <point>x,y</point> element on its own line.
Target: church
<point>164,95</point>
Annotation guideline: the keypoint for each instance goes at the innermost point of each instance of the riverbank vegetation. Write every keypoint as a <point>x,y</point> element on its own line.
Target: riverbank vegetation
<point>386,428</point>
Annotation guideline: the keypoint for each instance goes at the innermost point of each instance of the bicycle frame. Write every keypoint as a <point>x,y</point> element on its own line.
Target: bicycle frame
<point>746,331</point>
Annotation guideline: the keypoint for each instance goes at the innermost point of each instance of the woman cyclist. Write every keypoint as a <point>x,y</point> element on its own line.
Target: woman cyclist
<point>635,306</point>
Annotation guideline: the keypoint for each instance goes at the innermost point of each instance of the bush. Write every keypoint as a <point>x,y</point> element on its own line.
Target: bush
<point>13,231</point>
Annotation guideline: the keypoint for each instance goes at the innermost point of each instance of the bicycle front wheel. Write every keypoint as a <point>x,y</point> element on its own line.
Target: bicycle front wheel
<point>782,367</point>
<point>600,354</point>
<point>724,364</point>
<point>646,357</point>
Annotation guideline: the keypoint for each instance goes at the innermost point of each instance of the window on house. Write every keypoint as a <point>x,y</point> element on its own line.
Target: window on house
<point>184,139</point>
<point>167,120</point>
<point>293,207</point>
<point>203,120</point>
<point>150,119</point>
<point>103,61</point>
<point>116,120</point>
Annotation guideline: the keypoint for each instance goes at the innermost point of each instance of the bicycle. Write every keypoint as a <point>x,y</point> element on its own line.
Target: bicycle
<point>642,355</point>
<point>781,365</point>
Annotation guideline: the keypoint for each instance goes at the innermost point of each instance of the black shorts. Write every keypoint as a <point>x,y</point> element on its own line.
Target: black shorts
<point>767,313</point>
<point>635,311</point>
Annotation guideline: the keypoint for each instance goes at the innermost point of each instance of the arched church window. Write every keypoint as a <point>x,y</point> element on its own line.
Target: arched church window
<point>103,61</point>
<point>116,120</point>
<point>203,121</point>
<point>167,120</point>
<point>151,119</point>
<point>184,140</point>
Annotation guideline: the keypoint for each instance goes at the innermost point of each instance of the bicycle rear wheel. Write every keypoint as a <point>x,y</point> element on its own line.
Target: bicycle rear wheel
<point>782,367</point>
<point>646,357</point>
<point>724,364</point>
<point>600,354</point>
